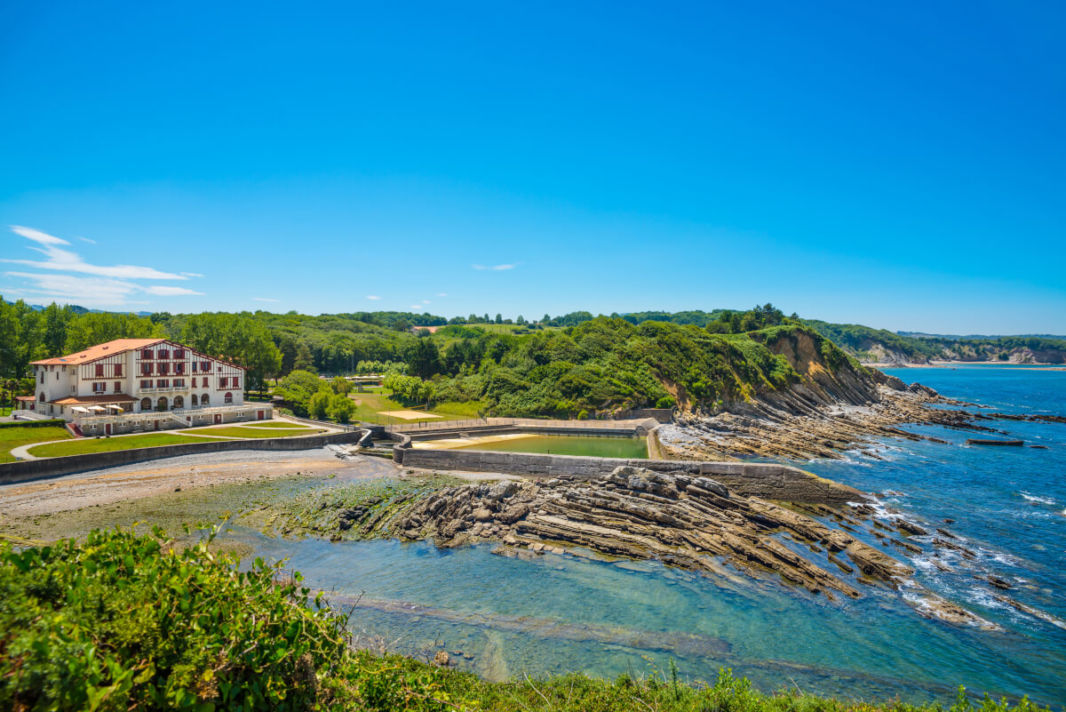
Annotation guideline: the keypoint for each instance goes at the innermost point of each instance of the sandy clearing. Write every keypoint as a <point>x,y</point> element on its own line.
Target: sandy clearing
<point>408,414</point>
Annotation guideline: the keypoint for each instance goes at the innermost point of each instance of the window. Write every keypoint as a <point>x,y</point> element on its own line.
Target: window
<point>147,353</point>
<point>194,365</point>
<point>118,386</point>
<point>228,398</point>
<point>99,370</point>
<point>146,369</point>
<point>41,397</point>
<point>222,382</point>
<point>205,365</point>
<point>179,353</point>
<point>118,370</point>
<point>146,384</point>
<point>179,368</point>
<point>99,387</point>
<point>42,376</point>
<point>164,369</point>
<point>204,399</point>
<point>194,401</point>
<point>163,353</point>
<point>236,383</point>
<point>162,383</point>
<point>204,384</point>
<point>146,404</point>
<point>179,382</point>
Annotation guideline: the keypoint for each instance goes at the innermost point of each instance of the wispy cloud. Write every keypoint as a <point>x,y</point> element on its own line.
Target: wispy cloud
<point>416,306</point>
<point>190,274</point>
<point>163,290</point>
<point>442,294</point>
<point>373,297</point>
<point>264,299</point>
<point>426,301</point>
<point>107,285</point>
<point>62,260</point>
<point>85,291</point>
<point>496,268</point>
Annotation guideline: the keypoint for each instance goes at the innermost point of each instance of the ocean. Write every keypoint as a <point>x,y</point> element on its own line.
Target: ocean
<point>504,617</point>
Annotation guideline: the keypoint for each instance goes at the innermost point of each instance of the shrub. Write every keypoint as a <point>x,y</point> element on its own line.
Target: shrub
<point>124,622</point>
<point>319,404</point>
<point>341,408</point>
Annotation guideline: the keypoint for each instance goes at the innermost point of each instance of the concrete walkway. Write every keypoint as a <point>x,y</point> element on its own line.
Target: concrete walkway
<point>22,451</point>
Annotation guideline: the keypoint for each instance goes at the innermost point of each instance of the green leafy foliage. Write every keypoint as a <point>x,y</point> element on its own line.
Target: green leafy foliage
<point>130,622</point>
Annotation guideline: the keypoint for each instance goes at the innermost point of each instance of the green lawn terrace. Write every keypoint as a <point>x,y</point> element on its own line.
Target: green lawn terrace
<point>35,441</point>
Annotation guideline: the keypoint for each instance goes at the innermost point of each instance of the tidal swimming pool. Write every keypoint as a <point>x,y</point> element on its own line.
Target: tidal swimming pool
<point>584,445</point>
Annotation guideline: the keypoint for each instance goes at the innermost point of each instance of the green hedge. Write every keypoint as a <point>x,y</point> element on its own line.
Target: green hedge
<point>33,423</point>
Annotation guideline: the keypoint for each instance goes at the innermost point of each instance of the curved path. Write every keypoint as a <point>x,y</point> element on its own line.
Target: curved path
<point>22,452</point>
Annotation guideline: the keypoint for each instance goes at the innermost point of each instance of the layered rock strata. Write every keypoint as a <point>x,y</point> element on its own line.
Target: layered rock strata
<point>690,522</point>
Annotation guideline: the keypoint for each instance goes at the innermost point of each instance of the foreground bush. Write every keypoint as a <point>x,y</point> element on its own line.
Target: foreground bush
<point>125,622</point>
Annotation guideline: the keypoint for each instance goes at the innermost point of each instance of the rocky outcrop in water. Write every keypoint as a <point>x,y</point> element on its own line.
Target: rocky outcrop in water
<point>690,522</point>
<point>791,427</point>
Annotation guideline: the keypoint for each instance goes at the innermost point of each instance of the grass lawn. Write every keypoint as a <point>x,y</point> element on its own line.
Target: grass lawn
<point>369,407</point>
<point>274,424</point>
<point>249,432</point>
<point>83,446</point>
<point>14,437</point>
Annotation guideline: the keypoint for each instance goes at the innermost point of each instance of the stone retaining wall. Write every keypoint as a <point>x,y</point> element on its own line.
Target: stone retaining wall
<point>24,470</point>
<point>766,480</point>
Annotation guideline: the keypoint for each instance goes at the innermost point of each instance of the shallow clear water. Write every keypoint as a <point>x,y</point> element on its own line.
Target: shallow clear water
<point>588,446</point>
<point>558,614</point>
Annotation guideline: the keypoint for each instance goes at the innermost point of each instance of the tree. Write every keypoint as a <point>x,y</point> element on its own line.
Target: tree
<point>341,408</point>
<point>299,387</point>
<point>318,405</point>
<point>303,360</point>
<point>521,320</point>
<point>423,358</point>
<point>499,318</point>
<point>341,385</point>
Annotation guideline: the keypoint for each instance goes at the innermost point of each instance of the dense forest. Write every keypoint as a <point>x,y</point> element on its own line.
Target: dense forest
<point>576,364</point>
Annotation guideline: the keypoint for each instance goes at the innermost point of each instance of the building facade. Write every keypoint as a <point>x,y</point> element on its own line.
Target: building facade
<point>140,384</point>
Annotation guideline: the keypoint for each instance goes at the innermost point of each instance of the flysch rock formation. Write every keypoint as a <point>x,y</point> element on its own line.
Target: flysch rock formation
<point>690,522</point>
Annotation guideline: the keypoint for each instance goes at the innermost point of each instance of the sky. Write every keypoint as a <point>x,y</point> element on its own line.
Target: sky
<point>901,165</point>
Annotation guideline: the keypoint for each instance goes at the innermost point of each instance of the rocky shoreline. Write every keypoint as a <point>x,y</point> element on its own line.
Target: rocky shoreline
<point>689,522</point>
<point>804,429</point>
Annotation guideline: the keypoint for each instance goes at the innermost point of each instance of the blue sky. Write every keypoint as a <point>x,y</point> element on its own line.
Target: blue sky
<point>901,165</point>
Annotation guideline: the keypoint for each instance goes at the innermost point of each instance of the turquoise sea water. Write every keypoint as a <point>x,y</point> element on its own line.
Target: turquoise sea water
<point>557,614</point>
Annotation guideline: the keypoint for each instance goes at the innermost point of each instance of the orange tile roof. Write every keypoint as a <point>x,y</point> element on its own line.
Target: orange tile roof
<point>92,400</point>
<point>99,351</point>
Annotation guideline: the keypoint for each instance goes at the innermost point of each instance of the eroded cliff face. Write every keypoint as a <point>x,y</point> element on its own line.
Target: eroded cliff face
<point>834,405</point>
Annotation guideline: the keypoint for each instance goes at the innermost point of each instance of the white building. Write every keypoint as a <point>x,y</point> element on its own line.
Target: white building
<point>140,384</point>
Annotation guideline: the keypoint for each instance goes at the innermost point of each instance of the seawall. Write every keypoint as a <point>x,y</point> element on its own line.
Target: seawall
<point>25,470</point>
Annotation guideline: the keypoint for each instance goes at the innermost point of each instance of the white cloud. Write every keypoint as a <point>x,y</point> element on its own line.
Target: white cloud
<point>425,301</point>
<point>416,306</point>
<point>496,268</point>
<point>373,297</point>
<point>167,291</point>
<point>264,299</point>
<point>109,286</point>
<point>66,261</point>
<point>442,294</point>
